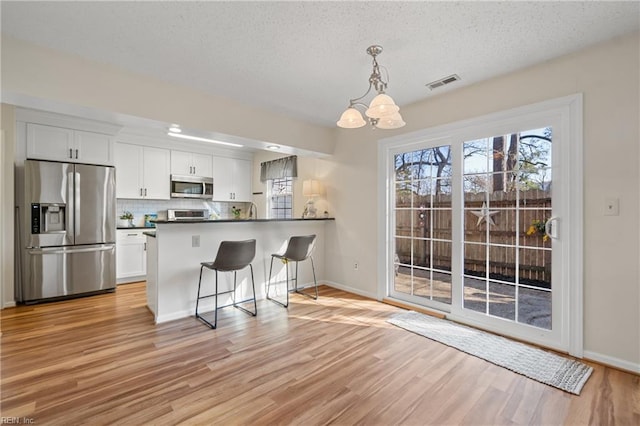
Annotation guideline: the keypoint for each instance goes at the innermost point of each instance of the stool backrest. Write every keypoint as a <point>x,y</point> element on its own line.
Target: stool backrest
<point>234,255</point>
<point>300,247</point>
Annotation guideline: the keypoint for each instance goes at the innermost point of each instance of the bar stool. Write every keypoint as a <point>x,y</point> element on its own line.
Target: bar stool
<point>232,256</point>
<point>299,248</point>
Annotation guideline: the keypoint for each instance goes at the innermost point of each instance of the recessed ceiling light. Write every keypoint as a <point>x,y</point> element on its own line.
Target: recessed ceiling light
<point>175,128</point>
<point>273,147</point>
<point>197,138</point>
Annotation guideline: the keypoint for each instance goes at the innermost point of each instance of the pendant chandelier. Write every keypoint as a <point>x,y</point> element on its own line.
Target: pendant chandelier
<point>382,112</point>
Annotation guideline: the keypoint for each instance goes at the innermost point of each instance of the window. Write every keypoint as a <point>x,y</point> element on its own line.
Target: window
<point>280,196</point>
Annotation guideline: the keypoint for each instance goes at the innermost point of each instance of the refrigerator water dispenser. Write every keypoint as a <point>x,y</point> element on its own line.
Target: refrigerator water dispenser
<point>48,218</point>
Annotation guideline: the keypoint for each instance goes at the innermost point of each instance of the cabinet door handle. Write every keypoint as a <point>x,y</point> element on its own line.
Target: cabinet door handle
<point>132,235</point>
<point>70,153</point>
<point>145,246</point>
<point>194,170</point>
<point>145,192</point>
<point>141,192</point>
<point>76,154</point>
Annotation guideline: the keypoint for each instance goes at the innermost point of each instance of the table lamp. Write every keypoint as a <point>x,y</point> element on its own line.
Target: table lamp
<point>310,188</point>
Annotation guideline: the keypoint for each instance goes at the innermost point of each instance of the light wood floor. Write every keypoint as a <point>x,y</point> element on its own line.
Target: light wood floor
<point>100,360</point>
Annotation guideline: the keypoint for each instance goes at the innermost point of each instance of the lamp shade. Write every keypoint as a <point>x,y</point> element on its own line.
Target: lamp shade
<point>351,119</point>
<point>394,121</point>
<point>310,188</point>
<point>382,106</point>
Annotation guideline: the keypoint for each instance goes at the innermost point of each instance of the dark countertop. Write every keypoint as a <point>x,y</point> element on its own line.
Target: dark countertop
<point>237,220</point>
<point>136,227</point>
<point>150,233</point>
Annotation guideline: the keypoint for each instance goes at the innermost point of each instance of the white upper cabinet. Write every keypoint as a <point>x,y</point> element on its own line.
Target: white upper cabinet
<point>222,179</point>
<point>157,173</point>
<point>45,142</point>
<point>242,180</point>
<point>191,164</point>
<point>142,172</point>
<point>231,179</point>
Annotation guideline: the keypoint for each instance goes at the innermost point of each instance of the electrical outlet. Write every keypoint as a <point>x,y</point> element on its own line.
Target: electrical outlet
<point>355,266</point>
<point>195,241</point>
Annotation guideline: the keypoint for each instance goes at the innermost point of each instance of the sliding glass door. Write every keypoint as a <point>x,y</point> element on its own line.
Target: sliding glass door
<point>422,232</point>
<point>507,245</point>
<point>478,224</point>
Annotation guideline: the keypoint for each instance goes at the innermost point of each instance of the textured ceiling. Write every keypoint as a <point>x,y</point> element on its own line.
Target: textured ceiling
<point>306,59</point>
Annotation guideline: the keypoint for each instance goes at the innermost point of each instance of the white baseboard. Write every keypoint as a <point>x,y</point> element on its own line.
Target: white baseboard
<point>128,280</point>
<point>612,361</point>
<point>11,304</point>
<point>173,316</point>
<point>351,290</point>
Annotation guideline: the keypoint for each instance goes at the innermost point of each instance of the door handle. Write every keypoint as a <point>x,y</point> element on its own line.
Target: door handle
<point>76,154</point>
<point>141,192</point>
<point>70,153</point>
<point>550,231</point>
<point>68,251</point>
<point>145,192</point>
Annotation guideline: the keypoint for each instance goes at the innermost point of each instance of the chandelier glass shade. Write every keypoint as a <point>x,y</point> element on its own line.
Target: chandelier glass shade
<point>394,121</point>
<point>351,119</point>
<point>382,112</point>
<point>382,106</point>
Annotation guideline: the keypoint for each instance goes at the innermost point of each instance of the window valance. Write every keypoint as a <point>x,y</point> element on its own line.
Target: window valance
<point>279,169</point>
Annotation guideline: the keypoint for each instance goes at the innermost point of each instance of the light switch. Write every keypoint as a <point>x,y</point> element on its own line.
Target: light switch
<point>612,206</point>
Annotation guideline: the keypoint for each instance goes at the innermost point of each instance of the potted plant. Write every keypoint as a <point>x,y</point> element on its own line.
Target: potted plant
<point>236,212</point>
<point>126,219</point>
<point>538,227</point>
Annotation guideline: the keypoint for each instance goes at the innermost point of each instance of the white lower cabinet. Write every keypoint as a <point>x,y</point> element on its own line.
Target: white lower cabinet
<point>131,256</point>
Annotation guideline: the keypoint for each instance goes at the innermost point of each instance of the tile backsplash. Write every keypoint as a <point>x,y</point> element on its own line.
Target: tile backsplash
<point>217,210</point>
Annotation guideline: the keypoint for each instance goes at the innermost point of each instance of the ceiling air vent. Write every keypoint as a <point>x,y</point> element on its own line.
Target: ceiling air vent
<point>443,81</point>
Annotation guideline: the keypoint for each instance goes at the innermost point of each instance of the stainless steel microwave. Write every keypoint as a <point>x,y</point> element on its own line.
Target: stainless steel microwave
<point>183,186</point>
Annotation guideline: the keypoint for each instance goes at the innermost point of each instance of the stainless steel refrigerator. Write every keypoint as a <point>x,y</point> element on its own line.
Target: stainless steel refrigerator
<point>66,225</point>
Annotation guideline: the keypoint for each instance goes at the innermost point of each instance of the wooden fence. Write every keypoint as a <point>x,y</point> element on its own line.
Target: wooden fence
<point>506,237</point>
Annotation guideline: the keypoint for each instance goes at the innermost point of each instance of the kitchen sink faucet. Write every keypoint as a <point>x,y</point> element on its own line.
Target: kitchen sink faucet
<point>253,208</point>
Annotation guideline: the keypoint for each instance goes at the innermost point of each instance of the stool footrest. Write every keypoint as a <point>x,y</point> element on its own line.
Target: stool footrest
<point>231,304</point>
<point>215,294</point>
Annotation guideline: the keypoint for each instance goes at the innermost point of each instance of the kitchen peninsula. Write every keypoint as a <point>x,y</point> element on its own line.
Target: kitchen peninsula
<point>175,252</point>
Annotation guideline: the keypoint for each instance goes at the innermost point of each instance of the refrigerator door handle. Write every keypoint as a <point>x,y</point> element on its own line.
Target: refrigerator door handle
<point>76,205</point>
<point>57,250</point>
<point>71,209</point>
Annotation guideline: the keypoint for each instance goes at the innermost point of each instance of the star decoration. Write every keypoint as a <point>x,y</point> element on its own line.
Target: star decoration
<point>485,214</point>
